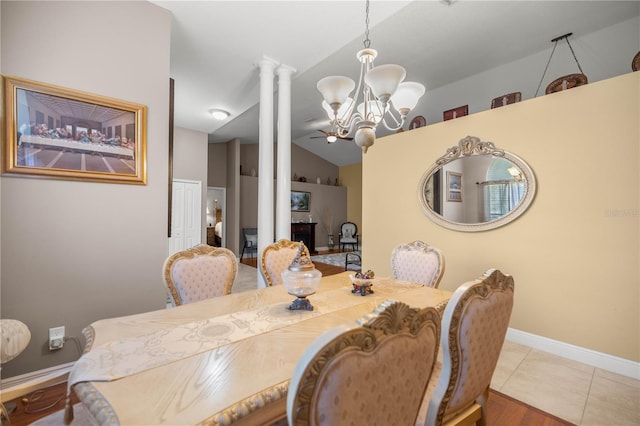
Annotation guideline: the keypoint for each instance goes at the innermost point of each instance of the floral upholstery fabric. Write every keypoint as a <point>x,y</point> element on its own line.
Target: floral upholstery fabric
<point>417,262</point>
<point>200,273</point>
<point>474,326</point>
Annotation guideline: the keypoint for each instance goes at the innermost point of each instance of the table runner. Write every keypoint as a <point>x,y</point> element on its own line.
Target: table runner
<point>121,358</point>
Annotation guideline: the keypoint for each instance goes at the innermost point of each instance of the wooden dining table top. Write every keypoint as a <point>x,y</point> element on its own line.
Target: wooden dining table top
<point>218,361</point>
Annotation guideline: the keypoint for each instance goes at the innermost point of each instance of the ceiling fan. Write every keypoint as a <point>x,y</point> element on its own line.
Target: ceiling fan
<point>331,137</point>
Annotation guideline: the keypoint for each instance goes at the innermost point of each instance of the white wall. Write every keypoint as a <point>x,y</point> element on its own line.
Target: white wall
<point>75,252</point>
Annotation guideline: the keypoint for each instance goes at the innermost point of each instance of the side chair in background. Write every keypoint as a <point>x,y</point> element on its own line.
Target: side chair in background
<point>199,273</point>
<point>348,236</point>
<point>250,236</point>
<point>276,258</point>
<point>371,373</point>
<point>474,326</point>
<point>417,262</point>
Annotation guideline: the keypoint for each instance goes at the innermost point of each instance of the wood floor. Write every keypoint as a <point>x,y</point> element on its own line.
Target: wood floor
<point>502,410</point>
<point>325,268</point>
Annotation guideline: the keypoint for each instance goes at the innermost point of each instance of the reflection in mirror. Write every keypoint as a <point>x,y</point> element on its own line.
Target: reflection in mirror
<point>476,186</point>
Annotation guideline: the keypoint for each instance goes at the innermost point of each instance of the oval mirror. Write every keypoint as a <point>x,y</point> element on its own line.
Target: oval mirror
<point>476,186</point>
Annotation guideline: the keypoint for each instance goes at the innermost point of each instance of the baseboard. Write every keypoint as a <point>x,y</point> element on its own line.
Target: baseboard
<point>44,375</point>
<point>601,360</point>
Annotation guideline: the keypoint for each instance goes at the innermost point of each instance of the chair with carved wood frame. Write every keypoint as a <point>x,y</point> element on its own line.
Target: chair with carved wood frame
<point>199,273</point>
<point>277,257</point>
<point>348,236</point>
<point>417,262</point>
<point>373,372</point>
<point>474,325</point>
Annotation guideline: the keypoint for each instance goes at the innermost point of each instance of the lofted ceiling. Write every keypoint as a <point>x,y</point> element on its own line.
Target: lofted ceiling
<point>216,47</point>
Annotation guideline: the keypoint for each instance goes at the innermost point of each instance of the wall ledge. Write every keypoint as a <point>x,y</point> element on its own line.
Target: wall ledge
<point>601,360</point>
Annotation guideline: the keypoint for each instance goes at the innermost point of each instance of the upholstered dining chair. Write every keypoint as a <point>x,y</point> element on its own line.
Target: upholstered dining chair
<point>417,262</point>
<point>199,273</point>
<point>348,236</point>
<point>276,258</point>
<point>371,373</point>
<point>474,325</point>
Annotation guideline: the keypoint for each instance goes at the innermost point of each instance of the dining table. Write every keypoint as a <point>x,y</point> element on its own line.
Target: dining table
<point>221,361</point>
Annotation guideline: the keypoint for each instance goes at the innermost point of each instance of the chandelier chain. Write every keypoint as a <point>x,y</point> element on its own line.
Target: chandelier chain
<point>574,55</point>
<point>555,44</point>
<point>367,42</point>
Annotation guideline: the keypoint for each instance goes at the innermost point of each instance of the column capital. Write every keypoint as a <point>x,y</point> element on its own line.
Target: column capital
<point>267,62</point>
<point>285,69</point>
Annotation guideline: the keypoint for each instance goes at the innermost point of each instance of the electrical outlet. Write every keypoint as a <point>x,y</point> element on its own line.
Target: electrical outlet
<point>56,338</point>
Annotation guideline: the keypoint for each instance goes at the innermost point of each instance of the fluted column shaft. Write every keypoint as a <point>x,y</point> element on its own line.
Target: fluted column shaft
<point>265,161</point>
<point>283,183</point>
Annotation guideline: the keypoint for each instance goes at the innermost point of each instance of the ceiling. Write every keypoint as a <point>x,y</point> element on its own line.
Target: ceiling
<point>216,47</point>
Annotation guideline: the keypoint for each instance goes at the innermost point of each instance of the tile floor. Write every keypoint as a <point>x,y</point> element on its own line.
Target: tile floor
<point>579,393</point>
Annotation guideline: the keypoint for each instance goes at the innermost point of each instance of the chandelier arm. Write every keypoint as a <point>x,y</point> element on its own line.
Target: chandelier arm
<point>398,124</point>
<point>352,117</point>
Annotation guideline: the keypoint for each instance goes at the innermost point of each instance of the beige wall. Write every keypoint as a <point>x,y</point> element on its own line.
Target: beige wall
<point>326,201</point>
<point>574,254</point>
<point>303,163</point>
<point>242,190</point>
<point>217,171</point>
<point>76,252</point>
<point>351,177</point>
<point>189,163</point>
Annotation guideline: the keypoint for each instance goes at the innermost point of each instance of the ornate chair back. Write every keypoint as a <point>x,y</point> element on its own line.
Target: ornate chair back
<point>417,262</point>
<point>276,258</point>
<point>199,273</point>
<point>348,235</point>
<point>372,373</point>
<point>474,325</point>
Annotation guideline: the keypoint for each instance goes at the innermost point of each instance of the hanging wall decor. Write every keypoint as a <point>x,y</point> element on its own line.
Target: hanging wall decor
<point>61,133</point>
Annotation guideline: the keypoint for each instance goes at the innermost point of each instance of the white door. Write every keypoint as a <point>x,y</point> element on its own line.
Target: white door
<point>186,215</point>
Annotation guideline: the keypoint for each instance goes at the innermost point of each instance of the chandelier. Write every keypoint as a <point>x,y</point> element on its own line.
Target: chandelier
<point>381,97</point>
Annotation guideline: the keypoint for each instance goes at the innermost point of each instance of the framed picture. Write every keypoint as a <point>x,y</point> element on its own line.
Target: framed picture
<point>67,134</point>
<point>456,112</point>
<point>454,187</point>
<point>300,201</point>
<point>510,98</point>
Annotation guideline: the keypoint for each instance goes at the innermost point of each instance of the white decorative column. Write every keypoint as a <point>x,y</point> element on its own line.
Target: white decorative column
<point>265,160</point>
<point>283,183</point>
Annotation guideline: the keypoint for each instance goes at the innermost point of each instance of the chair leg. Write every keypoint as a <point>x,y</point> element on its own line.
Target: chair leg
<point>242,254</point>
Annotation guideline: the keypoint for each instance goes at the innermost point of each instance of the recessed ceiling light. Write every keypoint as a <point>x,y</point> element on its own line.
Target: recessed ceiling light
<point>219,114</point>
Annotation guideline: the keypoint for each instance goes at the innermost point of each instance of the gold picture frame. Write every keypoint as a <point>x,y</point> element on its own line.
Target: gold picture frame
<point>59,133</point>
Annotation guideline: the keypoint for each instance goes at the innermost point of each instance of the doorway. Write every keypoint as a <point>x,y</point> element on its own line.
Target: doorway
<point>216,216</point>
<point>186,211</point>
